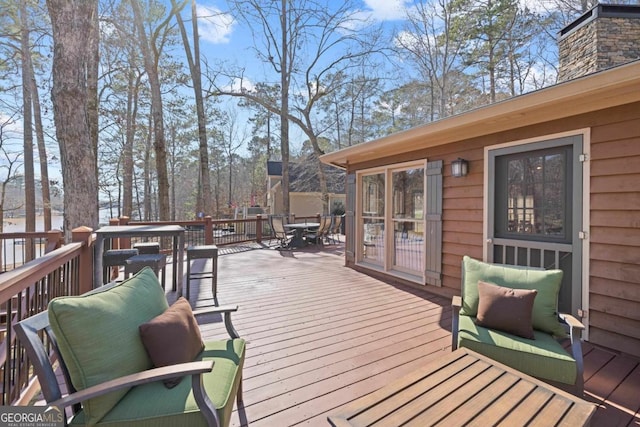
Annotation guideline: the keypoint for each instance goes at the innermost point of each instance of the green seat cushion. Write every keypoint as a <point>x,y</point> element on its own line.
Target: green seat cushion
<point>543,357</point>
<point>546,282</point>
<point>98,335</point>
<point>154,405</point>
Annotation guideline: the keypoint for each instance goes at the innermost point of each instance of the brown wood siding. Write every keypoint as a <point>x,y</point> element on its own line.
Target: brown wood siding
<point>615,213</point>
<point>614,306</point>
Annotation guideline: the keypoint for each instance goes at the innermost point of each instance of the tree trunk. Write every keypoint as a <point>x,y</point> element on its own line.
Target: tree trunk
<point>159,143</point>
<point>147,173</point>
<point>42,149</point>
<point>130,131</point>
<point>196,77</point>
<point>284,111</point>
<point>29,178</point>
<point>71,22</point>
<point>93,64</point>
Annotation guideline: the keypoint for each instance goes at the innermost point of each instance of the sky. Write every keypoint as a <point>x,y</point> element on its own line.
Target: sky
<point>225,39</point>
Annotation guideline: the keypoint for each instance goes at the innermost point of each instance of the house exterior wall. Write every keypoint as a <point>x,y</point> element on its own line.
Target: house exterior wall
<point>614,272</point>
<point>301,204</point>
<point>310,204</point>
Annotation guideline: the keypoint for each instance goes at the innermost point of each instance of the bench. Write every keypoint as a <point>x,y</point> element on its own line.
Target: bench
<point>112,346</point>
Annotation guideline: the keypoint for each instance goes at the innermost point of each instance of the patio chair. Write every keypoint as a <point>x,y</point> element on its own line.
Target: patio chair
<point>509,313</point>
<point>278,230</point>
<point>336,228</point>
<point>318,236</point>
<point>117,345</point>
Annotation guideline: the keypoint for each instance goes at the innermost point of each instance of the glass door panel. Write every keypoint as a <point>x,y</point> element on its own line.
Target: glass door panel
<point>373,210</point>
<point>408,249</point>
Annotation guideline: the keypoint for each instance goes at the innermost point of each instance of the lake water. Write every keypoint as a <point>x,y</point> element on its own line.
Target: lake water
<point>16,225</point>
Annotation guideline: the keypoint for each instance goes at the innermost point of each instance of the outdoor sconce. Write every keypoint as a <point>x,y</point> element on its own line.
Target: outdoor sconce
<point>459,167</point>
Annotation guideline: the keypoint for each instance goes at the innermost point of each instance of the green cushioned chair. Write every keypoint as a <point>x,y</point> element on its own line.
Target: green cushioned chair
<point>544,357</point>
<point>108,372</point>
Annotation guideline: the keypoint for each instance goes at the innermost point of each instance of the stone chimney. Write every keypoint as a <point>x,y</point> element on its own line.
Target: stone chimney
<point>606,36</point>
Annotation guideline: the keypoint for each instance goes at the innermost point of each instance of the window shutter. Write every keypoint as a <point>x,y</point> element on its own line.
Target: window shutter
<point>433,264</point>
<point>349,217</point>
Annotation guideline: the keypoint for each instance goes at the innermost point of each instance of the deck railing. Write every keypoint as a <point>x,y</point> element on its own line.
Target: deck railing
<point>17,249</point>
<point>26,291</point>
<point>58,270</point>
<point>209,231</point>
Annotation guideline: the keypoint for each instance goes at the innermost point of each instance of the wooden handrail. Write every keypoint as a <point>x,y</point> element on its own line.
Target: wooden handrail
<point>17,280</point>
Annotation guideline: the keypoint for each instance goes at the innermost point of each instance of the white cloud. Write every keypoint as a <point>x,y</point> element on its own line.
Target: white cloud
<point>239,85</point>
<point>387,10</point>
<point>214,25</point>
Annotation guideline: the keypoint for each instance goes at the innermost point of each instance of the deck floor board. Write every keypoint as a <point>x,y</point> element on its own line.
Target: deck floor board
<point>321,335</point>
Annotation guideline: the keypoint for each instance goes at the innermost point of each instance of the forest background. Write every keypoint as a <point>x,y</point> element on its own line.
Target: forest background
<point>170,109</point>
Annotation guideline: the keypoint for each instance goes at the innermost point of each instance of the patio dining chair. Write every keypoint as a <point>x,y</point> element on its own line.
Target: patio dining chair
<point>336,228</point>
<point>318,236</point>
<point>278,231</point>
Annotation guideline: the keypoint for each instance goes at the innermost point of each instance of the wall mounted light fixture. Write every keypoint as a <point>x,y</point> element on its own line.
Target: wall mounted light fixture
<point>459,167</point>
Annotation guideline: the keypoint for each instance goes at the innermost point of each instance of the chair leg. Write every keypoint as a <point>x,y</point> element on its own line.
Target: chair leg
<point>239,397</point>
<point>188,277</point>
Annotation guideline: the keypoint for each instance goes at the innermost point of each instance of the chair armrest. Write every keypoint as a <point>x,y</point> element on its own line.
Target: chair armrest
<point>456,304</point>
<point>575,326</point>
<point>571,321</point>
<point>138,378</point>
<point>226,310</point>
<point>215,310</point>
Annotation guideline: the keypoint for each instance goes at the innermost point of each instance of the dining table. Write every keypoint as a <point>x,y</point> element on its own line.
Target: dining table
<point>104,235</point>
<point>297,241</point>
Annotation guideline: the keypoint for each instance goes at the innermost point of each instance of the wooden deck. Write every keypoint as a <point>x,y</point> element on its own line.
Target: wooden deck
<point>321,335</point>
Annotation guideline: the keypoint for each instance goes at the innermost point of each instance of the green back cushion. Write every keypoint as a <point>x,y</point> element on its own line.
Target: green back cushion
<point>98,335</point>
<point>546,282</point>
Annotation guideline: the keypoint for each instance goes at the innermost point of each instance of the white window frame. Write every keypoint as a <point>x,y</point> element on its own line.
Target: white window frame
<point>388,219</point>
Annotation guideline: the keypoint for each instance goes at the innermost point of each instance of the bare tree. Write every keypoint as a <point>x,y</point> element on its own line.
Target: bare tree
<point>27,122</point>
<point>150,54</point>
<point>233,137</point>
<point>71,22</point>
<point>204,190</point>
<point>9,165</point>
<point>308,44</point>
<point>434,37</point>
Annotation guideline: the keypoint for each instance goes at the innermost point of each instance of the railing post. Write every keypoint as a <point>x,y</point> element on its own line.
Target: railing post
<point>258,228</point>
<point>85,275</point>
<point>208,230</point>
<point>54,240</point>
<point>125,242</point>
<point>115,243</point>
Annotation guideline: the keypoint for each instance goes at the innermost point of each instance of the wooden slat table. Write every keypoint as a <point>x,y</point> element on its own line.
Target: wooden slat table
<point>465,388</point>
